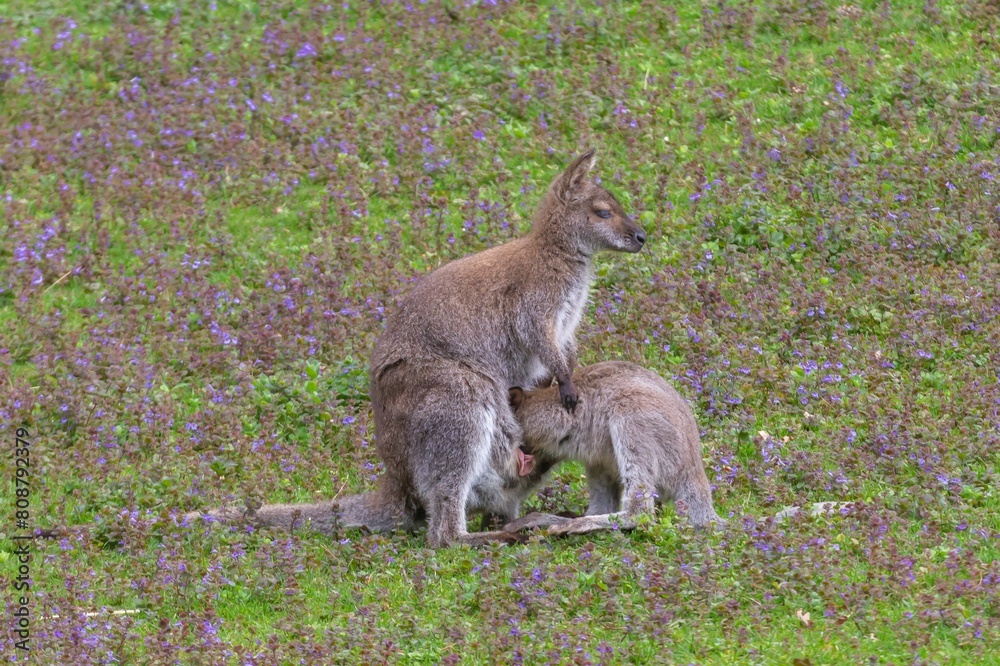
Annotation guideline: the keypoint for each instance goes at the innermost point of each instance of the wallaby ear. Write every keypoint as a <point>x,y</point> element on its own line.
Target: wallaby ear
<point>570,179</point>
<point>516,395</point>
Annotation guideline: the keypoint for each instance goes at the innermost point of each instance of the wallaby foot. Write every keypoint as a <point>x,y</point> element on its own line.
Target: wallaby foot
<point>560,526</point>
<point>601,523</point>
<point>478,539</point>
<point>535,519</point>
<point>494,521</point>
<point>442,532</point>
<point>446,527</point>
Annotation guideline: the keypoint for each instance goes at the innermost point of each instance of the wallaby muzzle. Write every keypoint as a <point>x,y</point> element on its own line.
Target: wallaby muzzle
<point>636,236</point>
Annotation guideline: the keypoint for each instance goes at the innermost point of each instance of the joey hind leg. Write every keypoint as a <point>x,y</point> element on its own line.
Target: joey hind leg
<point>605,491</point>
<point>639,495</point>
<point>638,450</point>
<point>499,492</point>
<point>695,493</point>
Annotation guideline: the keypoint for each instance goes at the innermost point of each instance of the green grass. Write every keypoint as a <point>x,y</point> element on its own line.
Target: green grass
<point>875,209</point>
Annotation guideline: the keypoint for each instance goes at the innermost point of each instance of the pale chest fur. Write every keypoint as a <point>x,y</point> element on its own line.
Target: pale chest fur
<point>565,320</point>
<point>570,312</point>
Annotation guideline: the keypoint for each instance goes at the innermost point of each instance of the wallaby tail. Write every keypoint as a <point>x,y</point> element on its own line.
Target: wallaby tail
<point>370,510</point>
<point>376,511</point>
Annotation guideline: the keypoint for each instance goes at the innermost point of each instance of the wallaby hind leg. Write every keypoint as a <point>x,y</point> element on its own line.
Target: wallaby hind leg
<point>616,498</point>
<point>696,494</point>
<point>588,524</point>
<point>447,526</point>
<point>604,489</point>
<point>633,495</point>
<point>444,483</point>
<point>637,499</point>
<point>638,454</point>
<point>639,495</point>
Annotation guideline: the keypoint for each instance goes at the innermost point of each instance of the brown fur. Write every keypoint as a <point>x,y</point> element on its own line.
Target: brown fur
<point>636,438</point>
<point>441,369</point>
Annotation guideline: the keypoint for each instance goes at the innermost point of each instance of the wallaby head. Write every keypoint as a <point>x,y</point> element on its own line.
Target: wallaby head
<point>545,423</point>
<point>582,216</point>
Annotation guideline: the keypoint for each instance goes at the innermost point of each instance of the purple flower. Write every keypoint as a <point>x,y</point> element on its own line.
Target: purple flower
<point>307,51</point>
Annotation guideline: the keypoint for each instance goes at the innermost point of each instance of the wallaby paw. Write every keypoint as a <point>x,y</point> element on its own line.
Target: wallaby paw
<point>569,396</point>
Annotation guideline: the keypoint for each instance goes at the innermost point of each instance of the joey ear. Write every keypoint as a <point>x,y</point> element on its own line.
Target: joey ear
<point>516,396</point>
<point>570,179</point>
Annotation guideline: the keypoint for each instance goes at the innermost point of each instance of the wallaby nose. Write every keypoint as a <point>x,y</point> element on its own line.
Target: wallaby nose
<point>640,237</point>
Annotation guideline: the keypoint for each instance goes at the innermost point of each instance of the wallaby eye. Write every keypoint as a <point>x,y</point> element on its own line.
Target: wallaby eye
<point>603,212</point>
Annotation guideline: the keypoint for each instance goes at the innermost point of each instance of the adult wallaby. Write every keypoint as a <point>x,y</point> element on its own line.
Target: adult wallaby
<point>636,438</point>
<point>441,369</point>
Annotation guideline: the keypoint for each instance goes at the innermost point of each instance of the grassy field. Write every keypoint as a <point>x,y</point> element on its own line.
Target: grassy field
<point>209,208</point>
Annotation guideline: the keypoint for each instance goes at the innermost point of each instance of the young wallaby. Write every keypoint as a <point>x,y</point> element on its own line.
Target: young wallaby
<point>636,438</point>
<point>440,371</point>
